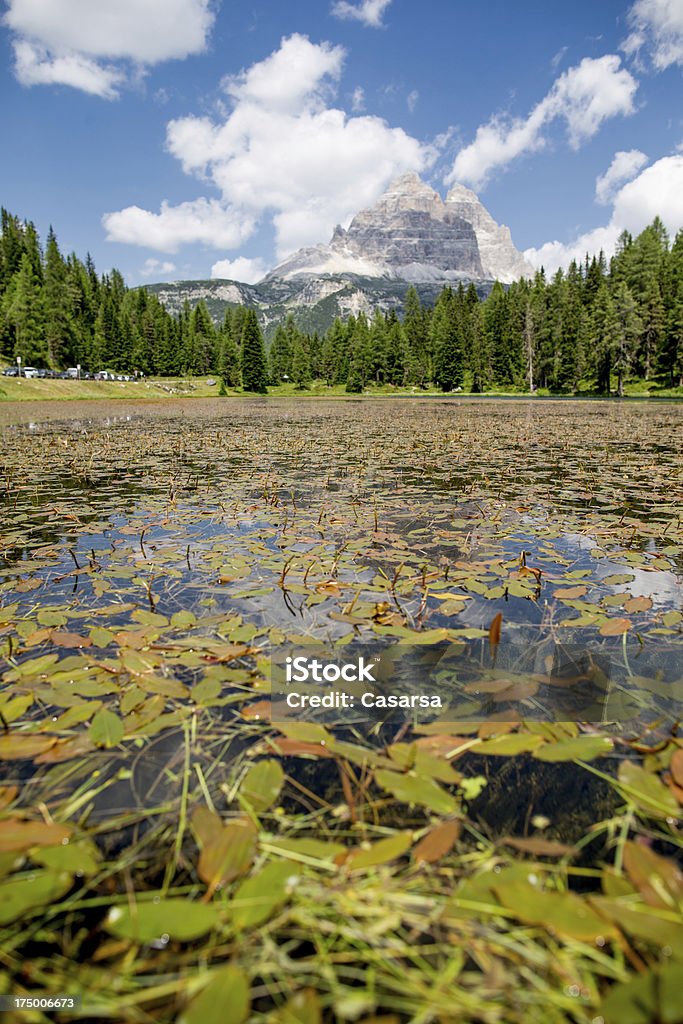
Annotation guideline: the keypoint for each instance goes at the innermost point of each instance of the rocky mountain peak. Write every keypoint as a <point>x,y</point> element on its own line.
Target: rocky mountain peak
<point>411,234</point>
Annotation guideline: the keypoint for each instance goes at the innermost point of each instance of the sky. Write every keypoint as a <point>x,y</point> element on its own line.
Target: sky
<point>186,139</point>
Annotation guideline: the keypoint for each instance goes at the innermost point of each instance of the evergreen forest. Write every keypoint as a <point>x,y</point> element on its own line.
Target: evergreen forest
<point>591,328</point>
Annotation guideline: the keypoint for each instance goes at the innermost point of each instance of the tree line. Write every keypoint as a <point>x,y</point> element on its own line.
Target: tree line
<point>595,325</point>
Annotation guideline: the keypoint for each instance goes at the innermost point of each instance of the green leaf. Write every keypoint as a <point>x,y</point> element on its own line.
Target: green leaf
<point>579,748</point>
<point>258,897</point>
<point>563,913</point>
<point>508,746</point>
<point>19,895</point>
<point>106,729</point>
<point>378,853</point>
<point>180,919</point>
<point>261,785</point>
<point>228,855</point>
<point>647,791</point>
<point>410,789</point>
<point>224,1000</point>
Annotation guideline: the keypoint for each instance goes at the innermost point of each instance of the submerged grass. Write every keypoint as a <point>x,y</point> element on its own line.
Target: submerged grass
<point>170,850</point>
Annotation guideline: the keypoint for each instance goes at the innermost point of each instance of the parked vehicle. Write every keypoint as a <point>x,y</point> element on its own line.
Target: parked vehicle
<point>10,371</point>
<point>30,371</point>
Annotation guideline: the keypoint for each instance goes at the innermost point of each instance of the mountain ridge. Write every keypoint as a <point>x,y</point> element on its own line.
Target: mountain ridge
<point>409,236</point>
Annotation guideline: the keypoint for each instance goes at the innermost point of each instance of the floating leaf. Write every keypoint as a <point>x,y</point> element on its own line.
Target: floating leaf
<point>539,847</point>
<point>106,729</point>
<point>261,786</point>
<point>224,1000</point>
<point>381,852</point>
<point>304,1008</point>
<point>438,842</point>
<point>20,895</point>
<point>563,913</point>
<point>411,789</point>
<point>178,919</point>
<point>658,879</point>
<point>20,746</point>
<point>228,855</point>
<point>507,746</point>
<point>19,834</point>
<point>258,897</point>
<point>579,748</point>
<point>647,791</point>
<point>615,627</point>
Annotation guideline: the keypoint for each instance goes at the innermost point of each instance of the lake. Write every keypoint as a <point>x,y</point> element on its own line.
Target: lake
<point>158,556</point>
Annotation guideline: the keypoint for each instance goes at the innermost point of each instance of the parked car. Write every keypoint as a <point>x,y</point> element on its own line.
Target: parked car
<point>10,371</point>
<point>30,371</point>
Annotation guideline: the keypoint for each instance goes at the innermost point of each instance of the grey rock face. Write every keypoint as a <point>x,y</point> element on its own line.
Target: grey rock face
<point>411,234</point>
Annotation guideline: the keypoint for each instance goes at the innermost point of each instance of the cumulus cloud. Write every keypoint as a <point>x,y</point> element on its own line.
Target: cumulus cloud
<point>358,99</point>
<point>656,25</point>
<point>242,269</point>
<point>583,97</point>
<point>74,42</point>
<point>282,153</point>
<point>656,191</point>
<point>370,12</point>
<point>157,268</point>
<point>207,221</point>
<point>624,166</point>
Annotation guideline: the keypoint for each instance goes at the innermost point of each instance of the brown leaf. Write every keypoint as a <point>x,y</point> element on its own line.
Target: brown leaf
<point>298,748</point>
<point>439,842</point>
<point>495,629</point>
<point>539,847</point>
<point>615,627</point>
<point>17,834</point>
<point>7,795</point>
<point>658,879</point>
<point>257,711</point>
<point>17,746</point>
<point>638,604</point>
<point>229,855</point>
<point>676,767</point>
<point>62,638</point>
<point>570,592</point>
<point>64,750</point>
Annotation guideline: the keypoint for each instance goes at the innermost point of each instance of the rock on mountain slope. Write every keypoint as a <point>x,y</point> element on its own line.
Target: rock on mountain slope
<point>410,236</point>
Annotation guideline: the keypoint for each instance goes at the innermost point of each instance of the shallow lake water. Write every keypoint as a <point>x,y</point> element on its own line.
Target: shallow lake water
<point>156,557</point>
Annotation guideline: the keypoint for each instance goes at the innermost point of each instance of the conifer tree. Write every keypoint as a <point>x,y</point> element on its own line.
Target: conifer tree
<point>446,344</point>
<point>254,368</point>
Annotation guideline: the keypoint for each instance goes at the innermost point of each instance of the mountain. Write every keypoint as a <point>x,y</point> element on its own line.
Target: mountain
<point>413,235</point>
<point>410,236</point>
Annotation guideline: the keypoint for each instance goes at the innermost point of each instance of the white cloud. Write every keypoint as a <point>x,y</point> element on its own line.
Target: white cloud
<point>281,153</point>
<point>65,41</point>
<point>35,66</point>
<point>657,25</point>
<point>624,166</point>
<point>242,269</point>
<point>358,99</point>
<point>583,97</point>
<point>370,12</point>
<point>657,191</point>
<point>206,221</point>
<point>157,268</point>
<point>412,99</point>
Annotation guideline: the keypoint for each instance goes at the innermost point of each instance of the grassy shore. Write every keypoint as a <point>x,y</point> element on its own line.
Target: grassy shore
<point>13,389</point>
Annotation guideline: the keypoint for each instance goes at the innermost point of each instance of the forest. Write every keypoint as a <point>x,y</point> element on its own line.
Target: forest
<point>590,328</point>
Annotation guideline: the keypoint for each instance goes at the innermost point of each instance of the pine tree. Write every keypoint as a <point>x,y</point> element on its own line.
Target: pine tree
<point>280,356</point>
<point>418,370</point>
<point>58,323</point>
<point>254,368</point>
<point>23,308</point>
<point>301,363</point>
<point>628,327</point>
<point>446,345</point>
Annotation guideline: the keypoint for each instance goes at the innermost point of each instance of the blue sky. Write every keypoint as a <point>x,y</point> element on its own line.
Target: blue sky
<point>184,138</point>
